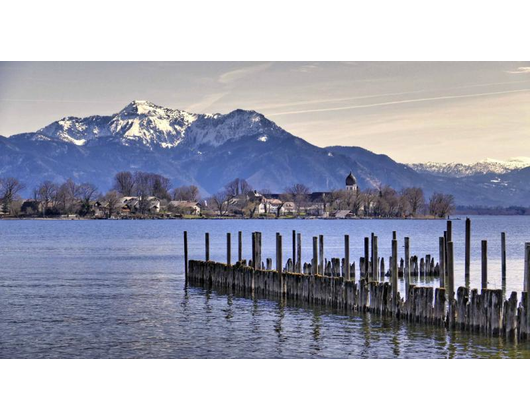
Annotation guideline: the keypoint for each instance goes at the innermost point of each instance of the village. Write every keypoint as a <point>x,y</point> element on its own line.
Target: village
<point>142,195</point>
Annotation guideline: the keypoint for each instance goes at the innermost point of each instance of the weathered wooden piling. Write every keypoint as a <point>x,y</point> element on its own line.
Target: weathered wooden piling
<point>484,270</point>
<point>366,257</point>
<point>314,263</point>
<point>526,286</point>
<point>375,259</point>
<point>467,257</point>
<point>450,281</point>
<point>228,249</point>
<point>299,252</point>
<point>442,260</point>
<point>294,247</point>
<point>347,257</point>
<point>321,255</point>
<point>186,255</point>
<point>279,259</point>
<point>503,261</point>
<point>207,246</point>
<point>239,246</point>
<point>394,269</point>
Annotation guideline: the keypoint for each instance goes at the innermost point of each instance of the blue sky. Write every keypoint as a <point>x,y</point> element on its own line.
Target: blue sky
<point>412,111</point>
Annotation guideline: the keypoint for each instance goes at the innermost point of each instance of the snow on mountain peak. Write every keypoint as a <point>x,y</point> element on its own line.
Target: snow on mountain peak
<point>152,125</point>
<point>485,166</point>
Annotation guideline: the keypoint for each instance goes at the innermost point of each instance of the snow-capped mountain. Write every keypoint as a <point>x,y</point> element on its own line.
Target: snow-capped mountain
<point>459,170</point>
<point>211,150</point>
<point>142,122</point>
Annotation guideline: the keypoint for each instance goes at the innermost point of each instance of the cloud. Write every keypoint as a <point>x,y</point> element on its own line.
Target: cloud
<point>233,76</point>
<point>206,102</point>
<point>307,68</point>
<point>520,70</point>
<point>406,101</point>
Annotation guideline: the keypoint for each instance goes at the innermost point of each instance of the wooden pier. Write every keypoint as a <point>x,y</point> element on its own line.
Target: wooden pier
<point>332,283</point>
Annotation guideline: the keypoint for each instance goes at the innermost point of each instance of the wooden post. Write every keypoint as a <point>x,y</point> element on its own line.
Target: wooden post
<point>239,246</point>
<point>314,266</point>
<point>527,268</point>
<point>449,231</point>
<point>185,255</point>
<point>394,235</point>
<point>294,250</point>
<point>207,246</point>
<point>503,260</point>
<point>279,253</point>
<point>375,259</point>
<point>394,269</point>
<point>484,265</point>
<point>527,280</point>
<point>442,261</point>
<point>299,251</point>
<point>321,255</point>
<point>467,252</point>
<point>450,281</point>
<point>254,250</point>
<point>372,253</point>
<point>366,256</point>
<point>228,248</point>
<point>406,274</point>
<point>258,242</point>
<point>346,257</point>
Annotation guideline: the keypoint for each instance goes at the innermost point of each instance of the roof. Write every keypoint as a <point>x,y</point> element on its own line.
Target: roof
<point>350,179</point>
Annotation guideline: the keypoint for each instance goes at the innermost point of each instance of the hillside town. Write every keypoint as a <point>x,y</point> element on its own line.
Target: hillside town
<point>142,195</point>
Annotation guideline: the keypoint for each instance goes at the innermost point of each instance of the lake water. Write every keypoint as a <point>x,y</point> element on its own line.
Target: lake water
<point>115,289</point>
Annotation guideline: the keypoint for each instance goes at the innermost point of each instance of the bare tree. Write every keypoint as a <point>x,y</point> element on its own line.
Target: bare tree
<point>86,193</point>
<point>67,194</point>
<point>124,183</point>
<point>220,202</point>
<point>237,187</point>
<point>299,194</point>
<point>415,198</point>
<point>441,205</point>
<point>9,189</point>
<point>46,193</point>
<point>112,200</point>
<point>186,193</point>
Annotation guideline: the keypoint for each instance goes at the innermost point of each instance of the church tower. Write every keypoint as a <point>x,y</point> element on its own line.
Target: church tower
<point>351,183</point>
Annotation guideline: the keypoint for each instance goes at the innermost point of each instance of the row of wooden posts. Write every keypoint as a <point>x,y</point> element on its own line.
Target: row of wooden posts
<point>488,310</point>
<point>371,266</point>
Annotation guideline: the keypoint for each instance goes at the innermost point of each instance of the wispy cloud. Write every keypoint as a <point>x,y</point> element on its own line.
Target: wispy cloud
<point>406,101</point>
<point>233,76</point>
<point>206,102</point>
<point>306,68</point>
<point>520,70</point>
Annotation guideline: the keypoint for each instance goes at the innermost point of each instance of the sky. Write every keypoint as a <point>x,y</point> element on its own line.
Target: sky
<point>412,111</point>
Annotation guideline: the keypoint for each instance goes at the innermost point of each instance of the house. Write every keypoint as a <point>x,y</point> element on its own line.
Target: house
<point>184,207</point>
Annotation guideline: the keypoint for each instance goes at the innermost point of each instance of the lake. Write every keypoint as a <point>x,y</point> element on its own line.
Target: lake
<point>115,289</point>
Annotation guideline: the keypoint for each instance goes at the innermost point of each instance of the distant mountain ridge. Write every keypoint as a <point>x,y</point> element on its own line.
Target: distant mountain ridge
<point>459,170</point>
<point>209,150</point>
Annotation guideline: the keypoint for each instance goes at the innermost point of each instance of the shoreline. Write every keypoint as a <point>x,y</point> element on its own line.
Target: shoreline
<point>228,219</point>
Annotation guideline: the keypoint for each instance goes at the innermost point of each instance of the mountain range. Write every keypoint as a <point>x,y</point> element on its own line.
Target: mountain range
<point>209,150</point>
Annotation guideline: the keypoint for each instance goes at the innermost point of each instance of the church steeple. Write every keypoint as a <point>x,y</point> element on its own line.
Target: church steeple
<point>351,183</point>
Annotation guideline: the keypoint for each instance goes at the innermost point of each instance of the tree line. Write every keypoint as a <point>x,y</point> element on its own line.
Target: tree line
<point>237,198</point>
